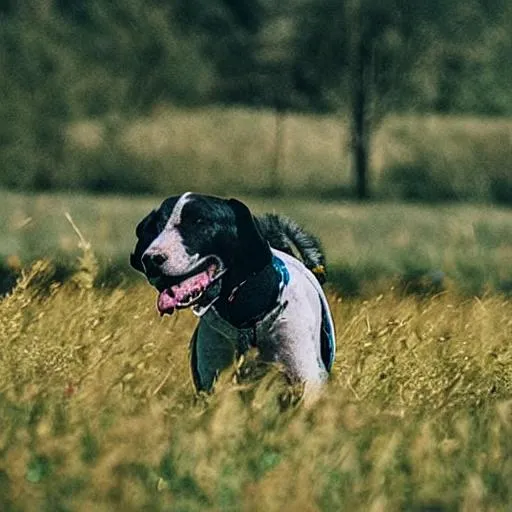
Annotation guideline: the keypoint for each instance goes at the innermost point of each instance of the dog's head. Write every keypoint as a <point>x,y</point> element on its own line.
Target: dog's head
<point>195,247</point>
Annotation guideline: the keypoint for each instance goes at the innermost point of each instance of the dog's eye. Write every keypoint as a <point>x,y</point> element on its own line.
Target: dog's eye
<point>193,220</point>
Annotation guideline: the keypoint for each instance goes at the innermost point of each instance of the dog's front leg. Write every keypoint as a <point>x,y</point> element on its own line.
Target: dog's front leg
<point>210,353</point>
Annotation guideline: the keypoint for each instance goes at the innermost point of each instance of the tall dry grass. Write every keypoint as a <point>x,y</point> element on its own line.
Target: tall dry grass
<point>98,411</point>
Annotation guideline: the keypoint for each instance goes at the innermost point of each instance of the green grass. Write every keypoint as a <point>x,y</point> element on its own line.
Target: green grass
<point>98,410</point>
<point>369,247</point>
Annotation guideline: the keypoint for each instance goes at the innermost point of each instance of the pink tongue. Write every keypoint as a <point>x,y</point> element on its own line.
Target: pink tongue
<point>169,299</point>
<point>166,303</point>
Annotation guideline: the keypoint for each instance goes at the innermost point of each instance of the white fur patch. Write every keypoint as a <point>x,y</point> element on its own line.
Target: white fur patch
<point>175,217</point>
<point>170,243</point>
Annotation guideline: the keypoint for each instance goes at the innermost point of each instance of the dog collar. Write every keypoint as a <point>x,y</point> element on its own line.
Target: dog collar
<point>279,267</point>
<point>246,337</point>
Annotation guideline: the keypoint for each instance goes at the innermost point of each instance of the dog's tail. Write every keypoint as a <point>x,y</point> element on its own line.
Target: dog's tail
<point>286,235</point>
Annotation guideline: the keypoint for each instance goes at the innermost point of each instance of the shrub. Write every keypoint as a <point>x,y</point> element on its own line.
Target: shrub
<point>451,159</point>
<point>59,64</point>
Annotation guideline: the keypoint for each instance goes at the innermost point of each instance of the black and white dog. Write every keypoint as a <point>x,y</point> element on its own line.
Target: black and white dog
<point>239,274</point>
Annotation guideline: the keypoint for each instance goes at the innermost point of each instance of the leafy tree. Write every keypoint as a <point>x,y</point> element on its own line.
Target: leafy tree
<point>62,60</point>
<point>348,58</point>
<point>368,58</point>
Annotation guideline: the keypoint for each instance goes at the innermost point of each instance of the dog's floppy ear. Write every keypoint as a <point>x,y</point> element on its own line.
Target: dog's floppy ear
<point>136,262</point>
<point>141,226</point>
<point>252,245</point>
<point>143,233</point>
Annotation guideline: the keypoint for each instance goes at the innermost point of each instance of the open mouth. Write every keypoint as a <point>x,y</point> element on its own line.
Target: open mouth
<point>186,290</point>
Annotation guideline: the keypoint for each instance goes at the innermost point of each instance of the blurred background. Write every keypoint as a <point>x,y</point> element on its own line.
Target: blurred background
<point>306,106</point>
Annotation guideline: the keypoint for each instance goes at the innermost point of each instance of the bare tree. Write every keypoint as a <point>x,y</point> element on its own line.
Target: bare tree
<point>352,56</point>
<point>360,129</point>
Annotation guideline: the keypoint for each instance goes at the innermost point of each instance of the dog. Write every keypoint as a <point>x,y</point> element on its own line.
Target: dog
<point>241,275</point>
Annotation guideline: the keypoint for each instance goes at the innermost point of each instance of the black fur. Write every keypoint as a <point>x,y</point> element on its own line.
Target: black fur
<point>201,251</point>
<point>227,228</point>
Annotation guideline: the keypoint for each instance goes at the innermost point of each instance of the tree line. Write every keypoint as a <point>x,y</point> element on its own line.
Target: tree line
<point>62,60</point>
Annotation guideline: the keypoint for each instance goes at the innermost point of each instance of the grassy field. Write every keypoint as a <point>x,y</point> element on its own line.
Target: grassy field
<point>229,150</point>
<point>369,247</point>
<point>96,403</point>
<point>98,413</point>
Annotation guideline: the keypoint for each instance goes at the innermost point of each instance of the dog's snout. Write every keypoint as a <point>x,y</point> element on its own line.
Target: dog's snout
<point>152,262</point>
